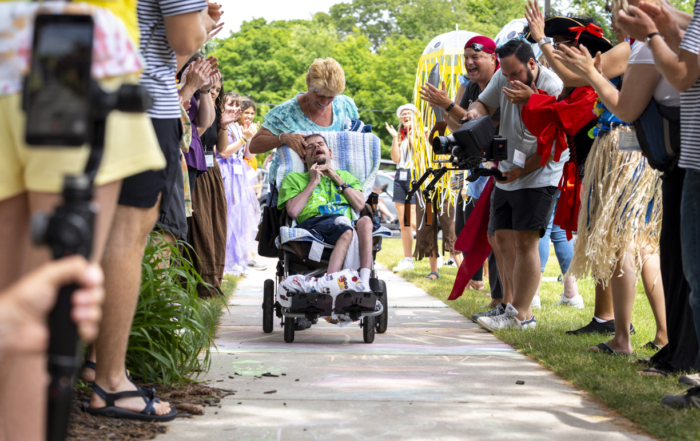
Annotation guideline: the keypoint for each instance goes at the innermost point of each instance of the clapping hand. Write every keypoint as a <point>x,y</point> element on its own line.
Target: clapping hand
<point>230,115</point>
<point>435,97</point>
<point>535,20</point>
<point>250,129</point>
<point>579,61</point>
<point>664,20</point>
<point>636,23</point>
<point>392,131</point>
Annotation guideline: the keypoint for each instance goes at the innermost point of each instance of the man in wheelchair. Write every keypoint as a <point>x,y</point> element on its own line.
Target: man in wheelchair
<point>321,200</point>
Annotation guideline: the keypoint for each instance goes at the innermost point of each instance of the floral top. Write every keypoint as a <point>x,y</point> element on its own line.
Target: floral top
<point>114,52</point>
<point>288,118</point>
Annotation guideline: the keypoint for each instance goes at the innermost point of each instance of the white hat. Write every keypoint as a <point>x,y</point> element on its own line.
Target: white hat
<point>410,107</point>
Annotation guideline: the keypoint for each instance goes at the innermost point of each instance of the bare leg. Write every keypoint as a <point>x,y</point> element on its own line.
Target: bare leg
<point>383,209</point>
<point>364,232</point>
<point>122,267</point>
<point>433,264</point>
<point>527,271</point>
<point>623,282</point>
<point>457,256</point>
<point>651,278</point>
<point>406,233</point>
<point>335,263</point>
<point>506,249</point>
<point>603,302</point>
<point>570,287</point>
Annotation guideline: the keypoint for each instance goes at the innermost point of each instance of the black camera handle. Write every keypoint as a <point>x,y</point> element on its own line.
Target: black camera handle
<point>69,231</point>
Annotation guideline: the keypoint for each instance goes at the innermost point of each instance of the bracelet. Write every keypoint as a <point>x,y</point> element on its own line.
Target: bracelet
<point>279,138</point>
<point>245,141</point>
<point>342,188</point>
<point>448,108</point>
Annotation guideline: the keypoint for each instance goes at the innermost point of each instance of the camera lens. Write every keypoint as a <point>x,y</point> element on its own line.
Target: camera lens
<point>441,145</point>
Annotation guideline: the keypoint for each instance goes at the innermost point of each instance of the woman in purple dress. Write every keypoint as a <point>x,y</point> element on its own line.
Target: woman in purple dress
<point>242,220</point>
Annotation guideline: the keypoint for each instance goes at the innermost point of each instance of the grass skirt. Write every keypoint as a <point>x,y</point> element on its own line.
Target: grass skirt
<point>620,203</point>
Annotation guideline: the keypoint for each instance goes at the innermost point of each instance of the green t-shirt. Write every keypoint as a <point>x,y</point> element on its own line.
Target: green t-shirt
<point>324,200</point>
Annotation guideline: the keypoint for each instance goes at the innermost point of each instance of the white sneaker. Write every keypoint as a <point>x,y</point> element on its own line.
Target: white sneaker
<point>536,302</point>
<point>450,262</point>
<point>575,302</point>
<point>403,266</point>
<point>507,320</point>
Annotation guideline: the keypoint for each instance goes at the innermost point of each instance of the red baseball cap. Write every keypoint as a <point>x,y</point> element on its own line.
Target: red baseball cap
<point>489,46</point>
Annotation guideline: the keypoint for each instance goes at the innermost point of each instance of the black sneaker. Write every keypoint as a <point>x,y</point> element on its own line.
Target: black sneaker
<point>498,310</point>
<point>595,328</point>
<point>690,399</point>
<point>599,328</point>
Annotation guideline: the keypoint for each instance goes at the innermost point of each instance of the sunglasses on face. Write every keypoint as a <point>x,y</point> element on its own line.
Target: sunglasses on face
<point>478,47</point>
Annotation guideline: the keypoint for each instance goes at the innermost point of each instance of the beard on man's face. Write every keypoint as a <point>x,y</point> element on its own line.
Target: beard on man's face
<point>321,160</point>
<point>530,77</point>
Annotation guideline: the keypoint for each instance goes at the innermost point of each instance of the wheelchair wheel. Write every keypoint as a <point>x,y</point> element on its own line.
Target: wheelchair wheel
<point>268,305</point>
<point>289,324</point>
<point>383,320</point>
<point>368,325</point>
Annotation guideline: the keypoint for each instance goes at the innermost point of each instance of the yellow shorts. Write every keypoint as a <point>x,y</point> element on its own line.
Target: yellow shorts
<point>131,147</point>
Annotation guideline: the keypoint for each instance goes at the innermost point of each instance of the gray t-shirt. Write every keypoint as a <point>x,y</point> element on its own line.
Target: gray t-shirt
<point>513,129</point>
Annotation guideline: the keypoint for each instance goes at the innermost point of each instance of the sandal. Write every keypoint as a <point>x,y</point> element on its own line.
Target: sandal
<point>653,372</point>
<point>651,345</point>
<point>431,273</point>
<point>92,365</point>
<point>603,347</point>
<point>147,414</point>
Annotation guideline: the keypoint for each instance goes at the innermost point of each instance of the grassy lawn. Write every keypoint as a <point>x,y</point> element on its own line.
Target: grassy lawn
<point>613,380</point>
<point>227,287</point>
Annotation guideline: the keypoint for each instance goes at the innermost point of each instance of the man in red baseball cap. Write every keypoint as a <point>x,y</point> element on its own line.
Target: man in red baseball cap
<point>481,63</point>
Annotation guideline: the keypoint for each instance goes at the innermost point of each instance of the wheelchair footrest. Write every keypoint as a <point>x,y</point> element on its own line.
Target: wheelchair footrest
<point>312,304</point>
<point>354,303</point>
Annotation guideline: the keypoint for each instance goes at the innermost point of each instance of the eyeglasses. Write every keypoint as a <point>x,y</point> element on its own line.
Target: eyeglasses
<point>477,47</point>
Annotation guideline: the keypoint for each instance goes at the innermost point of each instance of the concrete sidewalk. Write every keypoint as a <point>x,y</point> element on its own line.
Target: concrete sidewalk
<point>433,375</point>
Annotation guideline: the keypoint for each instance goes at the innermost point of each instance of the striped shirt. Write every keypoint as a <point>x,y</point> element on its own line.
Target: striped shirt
<point>690,101</point>
<point>159,75</point>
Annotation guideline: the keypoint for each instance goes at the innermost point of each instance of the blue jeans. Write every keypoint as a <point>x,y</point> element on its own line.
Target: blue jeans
<point>563,248</point>
<point>690,240</point>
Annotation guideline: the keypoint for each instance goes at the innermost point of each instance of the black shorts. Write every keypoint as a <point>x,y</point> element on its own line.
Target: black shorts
<point>142,190</point>
<point>401,188</point>
<point>324,228</point>
<point>523,210</point>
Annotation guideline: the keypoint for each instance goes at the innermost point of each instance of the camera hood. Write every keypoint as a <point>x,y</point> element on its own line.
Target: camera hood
<point>475,136</point>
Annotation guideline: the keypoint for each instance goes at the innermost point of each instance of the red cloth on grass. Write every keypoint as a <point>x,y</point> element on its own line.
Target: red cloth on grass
<point>473,241</point>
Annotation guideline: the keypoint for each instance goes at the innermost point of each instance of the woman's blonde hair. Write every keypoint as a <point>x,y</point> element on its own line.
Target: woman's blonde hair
<point>325,77</point>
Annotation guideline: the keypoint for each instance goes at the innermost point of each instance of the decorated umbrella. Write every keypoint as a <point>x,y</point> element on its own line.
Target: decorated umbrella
<point>442,61</point>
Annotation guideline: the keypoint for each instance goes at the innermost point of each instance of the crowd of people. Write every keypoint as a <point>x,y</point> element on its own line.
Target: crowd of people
<point>600,146</point>
<point>602,162</point>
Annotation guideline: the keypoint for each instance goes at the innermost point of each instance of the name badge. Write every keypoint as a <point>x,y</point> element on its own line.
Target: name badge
<point>519,158</point>
<point>209,157</point>
<point>629,142</point>
<point>403,175</point>
<point>237,169</point>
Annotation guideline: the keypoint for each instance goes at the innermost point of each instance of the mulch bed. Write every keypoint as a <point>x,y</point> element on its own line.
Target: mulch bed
<point>189,400</point>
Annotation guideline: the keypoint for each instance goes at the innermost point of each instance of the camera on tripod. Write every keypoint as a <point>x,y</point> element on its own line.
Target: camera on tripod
<point>473,143</point>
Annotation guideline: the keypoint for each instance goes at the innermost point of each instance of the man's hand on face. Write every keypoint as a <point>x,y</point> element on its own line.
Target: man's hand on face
<point>434,96</point>
<point>512,174</point>
<point>519,93</point>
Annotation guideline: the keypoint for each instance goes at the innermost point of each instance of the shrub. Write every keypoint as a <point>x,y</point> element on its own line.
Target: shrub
<point>172,333</point>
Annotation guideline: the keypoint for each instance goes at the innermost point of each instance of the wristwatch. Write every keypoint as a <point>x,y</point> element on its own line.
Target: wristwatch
<point>650,36</point>
<point>544,41</point>
<point>342,188</point>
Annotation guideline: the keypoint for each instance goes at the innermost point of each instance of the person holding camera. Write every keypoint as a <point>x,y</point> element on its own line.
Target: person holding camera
<point>524,200</point>
<point>481,63</point>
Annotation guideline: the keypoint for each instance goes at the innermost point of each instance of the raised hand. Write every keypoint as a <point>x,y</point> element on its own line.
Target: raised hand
<point>230,115</point>
<point>434,96</point>
<point>392,131</point>
<point>637,24</point>
<point>665,22</point>
<point>249,130</point>
<point>578,61</point>
<point>535,20</point>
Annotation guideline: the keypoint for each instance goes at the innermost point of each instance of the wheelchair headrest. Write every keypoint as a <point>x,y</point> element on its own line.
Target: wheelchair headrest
<point>354,152</point>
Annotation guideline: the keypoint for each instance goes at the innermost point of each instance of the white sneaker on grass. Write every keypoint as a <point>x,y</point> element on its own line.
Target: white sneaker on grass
<point>507,320</point>
<point>536,302</point>
<point>574,302</point>
<point>450,262</point>
<point>403,266</point>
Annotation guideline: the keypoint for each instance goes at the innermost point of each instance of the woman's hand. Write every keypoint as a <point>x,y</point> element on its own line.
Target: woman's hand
<point>294,142</point>
<point>249,130</point>
<point>519,94</point>
<point>198,75</point>
<point>579,61</point>
<point>230,115</point>
<point>664,20</point>
<point>638,25</point>
<point>392,131</point>
<point>214,75</point>
<point>534,18</point>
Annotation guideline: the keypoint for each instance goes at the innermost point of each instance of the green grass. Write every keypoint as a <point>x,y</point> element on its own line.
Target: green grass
<point>227,288</point>
<point>613,380</point>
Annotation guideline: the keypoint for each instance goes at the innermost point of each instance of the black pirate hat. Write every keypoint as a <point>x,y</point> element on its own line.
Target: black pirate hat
<point>582,29</point>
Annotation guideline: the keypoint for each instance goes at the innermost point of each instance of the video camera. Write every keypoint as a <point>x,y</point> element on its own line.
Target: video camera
<point>473,143</point>
<point>66,107</point>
